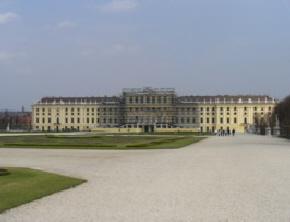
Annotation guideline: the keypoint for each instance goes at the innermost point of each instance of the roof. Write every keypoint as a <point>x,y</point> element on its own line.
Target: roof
<point>78,100</point>
<point>226,99</point>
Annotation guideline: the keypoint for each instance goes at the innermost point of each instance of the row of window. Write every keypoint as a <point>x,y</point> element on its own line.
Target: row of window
<point>149,109</point>
<point>235,109</point>
<point>149,99</point>
<point>208,109</point>
<point>78,120</point>
<point>222,120</point>
<point>73,109</point>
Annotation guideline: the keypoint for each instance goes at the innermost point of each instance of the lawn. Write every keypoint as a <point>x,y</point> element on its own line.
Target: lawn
<point>24,185</point>
<point>99,141</point>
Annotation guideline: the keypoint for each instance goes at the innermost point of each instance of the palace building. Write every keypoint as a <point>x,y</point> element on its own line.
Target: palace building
<point>149,109</point>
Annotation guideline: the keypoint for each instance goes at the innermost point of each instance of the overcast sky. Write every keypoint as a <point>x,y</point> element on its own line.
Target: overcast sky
<point>99,47</point>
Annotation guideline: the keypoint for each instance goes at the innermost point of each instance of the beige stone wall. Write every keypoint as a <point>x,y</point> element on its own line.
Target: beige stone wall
<point>211,117</point>
<point>206,117</point>
<point>64,117</point>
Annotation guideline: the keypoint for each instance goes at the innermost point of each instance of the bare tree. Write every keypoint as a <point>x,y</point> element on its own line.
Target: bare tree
<point>283,112</point>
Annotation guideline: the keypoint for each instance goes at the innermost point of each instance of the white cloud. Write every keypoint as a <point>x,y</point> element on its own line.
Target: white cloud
<point>66,24</point>
<point>119,6</point>
<point>7,17</point>
<point>9,56</point>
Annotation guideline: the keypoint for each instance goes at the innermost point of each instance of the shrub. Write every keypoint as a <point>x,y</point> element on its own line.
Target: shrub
<point>3,172</point>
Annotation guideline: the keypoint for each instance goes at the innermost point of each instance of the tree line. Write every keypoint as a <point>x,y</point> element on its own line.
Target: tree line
<point>283,112</point>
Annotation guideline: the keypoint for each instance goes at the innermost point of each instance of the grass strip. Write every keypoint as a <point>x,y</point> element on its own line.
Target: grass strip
<point>23,185</point>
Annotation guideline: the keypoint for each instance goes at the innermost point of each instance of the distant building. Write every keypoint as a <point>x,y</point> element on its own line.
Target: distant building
<point>15,121</point>
<point>151,109</point>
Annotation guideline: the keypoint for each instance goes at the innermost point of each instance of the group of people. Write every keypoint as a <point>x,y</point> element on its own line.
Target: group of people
<point>228,132</point>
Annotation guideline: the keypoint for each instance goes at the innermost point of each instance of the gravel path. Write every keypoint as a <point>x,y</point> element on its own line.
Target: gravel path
<point>245,178</point>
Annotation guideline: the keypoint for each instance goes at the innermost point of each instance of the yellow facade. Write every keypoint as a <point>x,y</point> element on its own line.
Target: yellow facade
<point>152,110</point>
<point>240,117</point>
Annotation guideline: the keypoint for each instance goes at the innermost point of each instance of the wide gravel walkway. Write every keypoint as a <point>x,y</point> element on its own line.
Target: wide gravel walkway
<point>243,178</point>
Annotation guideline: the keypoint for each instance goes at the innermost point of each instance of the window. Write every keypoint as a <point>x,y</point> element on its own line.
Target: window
<point>207,109</point>
<point>66,120</point>
<point>235,120</point>
<point>78,120</point>
<point>57,120</point>
<point>207,120</point>
<point>182,120</point>
<point>201,120</point>
<point>212,109</point>
<point>222,120</point>
<point>88,120</point>
<point>222,109</point>
<point>43,120</point>
<point>201,109</point>
<point>228,109</point>
<point>49,120</point>
<point>37,120</point>
<point>245,120</point>
<point>72,109</point>
<point>188,120</point>
<point>72,120</point>
<point>148,100</point>
<point>193,120</point>
<point>228,120</point>
<point>255,108</point>
<point>93,120</point>
<point>245,108</point>
<point>37,109</point>
<point>213,120</point>
<point>235,109</point>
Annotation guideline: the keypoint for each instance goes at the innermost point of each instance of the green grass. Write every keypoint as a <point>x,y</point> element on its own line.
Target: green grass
<point>24,185</point>
<point>98,141</point>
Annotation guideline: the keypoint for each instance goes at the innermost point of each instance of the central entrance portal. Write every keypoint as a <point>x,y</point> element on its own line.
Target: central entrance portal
<point>148,129</point>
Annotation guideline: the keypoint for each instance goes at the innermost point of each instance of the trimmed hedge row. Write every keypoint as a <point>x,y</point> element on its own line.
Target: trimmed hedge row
<point>57,145</point>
